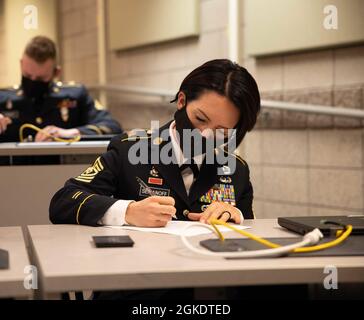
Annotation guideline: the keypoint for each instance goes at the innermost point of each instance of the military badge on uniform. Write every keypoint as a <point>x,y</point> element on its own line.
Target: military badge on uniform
<point>156,181</point>
<point>154,173</point>
<point>145,192</point>
<point>225,179</point>
<point>90,173</point>
<point>64,106</point>
<point>155,178</point>
<point>226,170</point>
<point>221,193</point>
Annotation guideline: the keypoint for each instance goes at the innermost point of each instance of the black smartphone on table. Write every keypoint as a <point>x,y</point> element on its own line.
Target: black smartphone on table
<point>113,241</point>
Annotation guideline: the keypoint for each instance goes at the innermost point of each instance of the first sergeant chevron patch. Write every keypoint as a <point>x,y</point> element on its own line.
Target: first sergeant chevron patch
<point>90,173</point>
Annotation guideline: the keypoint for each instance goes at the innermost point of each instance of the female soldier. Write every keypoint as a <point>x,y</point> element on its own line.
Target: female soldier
<point>130,185</point>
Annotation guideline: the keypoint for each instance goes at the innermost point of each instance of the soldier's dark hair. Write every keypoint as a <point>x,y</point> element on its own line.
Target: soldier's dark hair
<point>229,80</point>
<point>41,49</point>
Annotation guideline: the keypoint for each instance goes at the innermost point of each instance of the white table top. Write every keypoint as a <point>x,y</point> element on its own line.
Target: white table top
<point>69,261</point>
<point>12,279</point>
<point>53,148</point>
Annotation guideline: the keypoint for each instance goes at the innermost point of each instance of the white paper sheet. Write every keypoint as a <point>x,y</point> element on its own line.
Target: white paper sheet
<point>178,228</point>
<point>40,144</point>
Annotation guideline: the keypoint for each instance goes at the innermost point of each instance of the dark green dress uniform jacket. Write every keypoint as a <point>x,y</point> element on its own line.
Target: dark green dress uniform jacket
<point>86,198</point>
<point>65,106</point>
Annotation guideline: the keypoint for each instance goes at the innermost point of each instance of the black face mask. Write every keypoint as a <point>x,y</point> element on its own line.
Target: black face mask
<point>193,147</point>
<point>34,89</point>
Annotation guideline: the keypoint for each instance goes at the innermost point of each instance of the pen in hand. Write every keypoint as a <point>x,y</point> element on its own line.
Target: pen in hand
<point>149,190</point>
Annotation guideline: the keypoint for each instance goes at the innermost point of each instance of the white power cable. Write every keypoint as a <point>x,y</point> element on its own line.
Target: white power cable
<point>311,238</point>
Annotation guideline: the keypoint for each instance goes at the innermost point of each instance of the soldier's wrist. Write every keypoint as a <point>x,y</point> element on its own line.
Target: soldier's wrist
<point>128,211</point>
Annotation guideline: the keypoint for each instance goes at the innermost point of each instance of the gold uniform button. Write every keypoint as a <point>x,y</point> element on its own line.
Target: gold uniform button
<point>39,120</point>
<point>185,213</point>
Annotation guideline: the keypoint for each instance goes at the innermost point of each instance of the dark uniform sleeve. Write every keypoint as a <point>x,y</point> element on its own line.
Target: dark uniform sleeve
<point>86,198</point>
<point>245,202</point>
<point>7,96</point>
<point>96,121</point>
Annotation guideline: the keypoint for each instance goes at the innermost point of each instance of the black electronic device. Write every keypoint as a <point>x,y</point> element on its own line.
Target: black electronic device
<point>4,259</point>
<point>104,137</point>
<point>328,225</point>
<point>112,241</point>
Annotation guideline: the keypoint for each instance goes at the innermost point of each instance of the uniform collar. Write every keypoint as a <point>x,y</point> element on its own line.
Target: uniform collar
<point>177,149</point>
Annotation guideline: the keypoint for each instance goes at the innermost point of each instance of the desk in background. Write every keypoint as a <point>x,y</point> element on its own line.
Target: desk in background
<point>12,279</point>
<point>69,261</point>
<point>26,190</point>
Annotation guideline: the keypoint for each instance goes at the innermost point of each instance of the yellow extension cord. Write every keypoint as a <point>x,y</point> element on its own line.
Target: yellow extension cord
<point>31,126</point>
<point>341,236</point>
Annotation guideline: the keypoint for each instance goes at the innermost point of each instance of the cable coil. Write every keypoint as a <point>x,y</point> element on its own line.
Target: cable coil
<point>31,126</point>
<point>307,244</point>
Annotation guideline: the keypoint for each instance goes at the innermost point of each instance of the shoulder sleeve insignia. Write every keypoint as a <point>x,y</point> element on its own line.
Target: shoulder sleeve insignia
<point>90,173</point>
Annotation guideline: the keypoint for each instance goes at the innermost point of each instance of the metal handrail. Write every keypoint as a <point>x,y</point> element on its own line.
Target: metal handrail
<point>164,94</point>
<point>167,95</point>
<point>314,109</point>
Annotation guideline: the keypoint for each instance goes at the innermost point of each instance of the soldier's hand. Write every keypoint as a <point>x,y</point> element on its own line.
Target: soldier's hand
<point>217,210</point>
<point>55,132</point>
<point>4,122</point>
<point>151,212</point>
